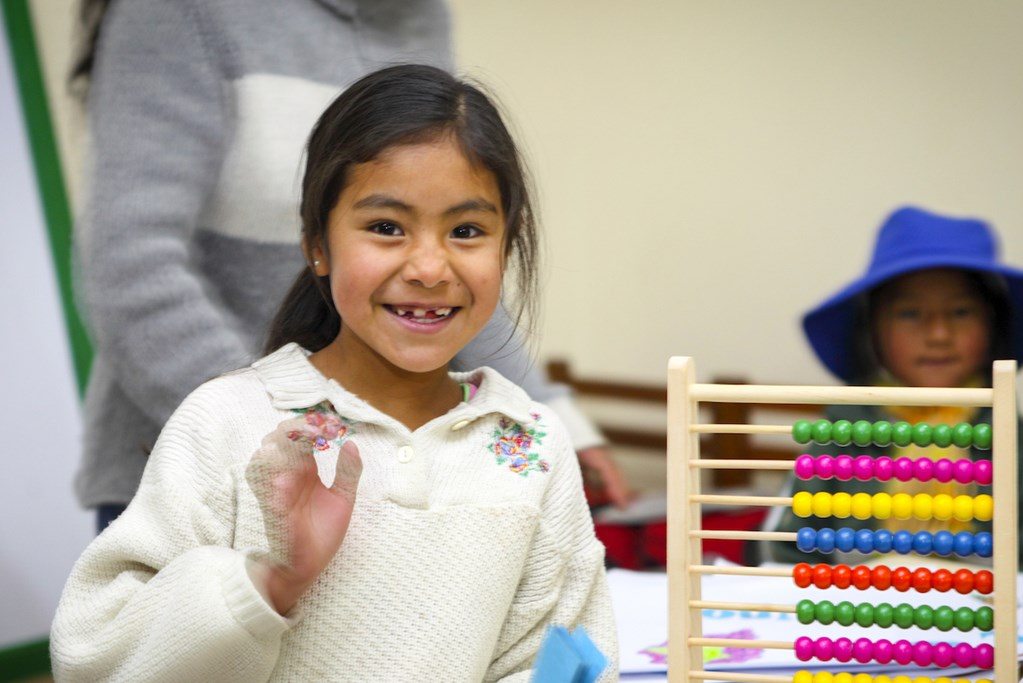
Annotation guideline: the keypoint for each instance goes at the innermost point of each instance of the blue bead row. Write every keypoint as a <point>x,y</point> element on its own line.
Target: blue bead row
<point>903,542</point>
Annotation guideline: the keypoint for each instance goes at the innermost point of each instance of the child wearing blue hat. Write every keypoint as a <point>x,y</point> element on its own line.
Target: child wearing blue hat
<point>935,308</point>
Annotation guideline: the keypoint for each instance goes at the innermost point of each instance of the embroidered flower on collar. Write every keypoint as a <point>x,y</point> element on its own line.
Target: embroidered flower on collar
<point>323,427</point>
<point>512,446</point>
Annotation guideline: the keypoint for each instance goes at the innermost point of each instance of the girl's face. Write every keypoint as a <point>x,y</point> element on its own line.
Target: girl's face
<point>415,260</point>
<point>932,328</point>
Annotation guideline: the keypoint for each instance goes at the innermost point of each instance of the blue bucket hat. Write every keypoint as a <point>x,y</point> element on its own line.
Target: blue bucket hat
<point>910,240</point>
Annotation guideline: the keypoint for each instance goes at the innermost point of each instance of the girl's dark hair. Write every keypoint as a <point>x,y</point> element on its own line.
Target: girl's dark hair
<point>402,105</point>
<point>992,288</point>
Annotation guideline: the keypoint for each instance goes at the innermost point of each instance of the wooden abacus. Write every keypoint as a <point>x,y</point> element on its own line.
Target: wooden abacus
<point>685,535</point>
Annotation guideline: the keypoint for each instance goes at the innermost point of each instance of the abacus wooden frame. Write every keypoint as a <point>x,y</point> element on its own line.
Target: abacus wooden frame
<point>685,558</point>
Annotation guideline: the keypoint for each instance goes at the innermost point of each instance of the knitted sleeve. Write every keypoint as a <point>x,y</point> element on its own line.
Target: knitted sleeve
<point>157,121</point>
<point>161,595</point>
<point>563,582</point>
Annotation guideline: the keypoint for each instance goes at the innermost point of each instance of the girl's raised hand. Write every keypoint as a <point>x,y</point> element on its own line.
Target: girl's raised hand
<point>306,521</point>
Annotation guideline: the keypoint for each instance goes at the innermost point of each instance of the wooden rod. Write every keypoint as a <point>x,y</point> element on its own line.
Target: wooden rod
<point>841,395</point>
<point>745,606</point>
<point>736,535</point>
<point>740,571</point>
<point>740,429</point>
<point>740,500</point>
<point>722,464</point>
<point>736,677</point>
<point>740,642</point>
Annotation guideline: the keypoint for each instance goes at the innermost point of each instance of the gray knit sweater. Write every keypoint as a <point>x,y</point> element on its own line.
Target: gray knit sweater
<point>199,111</point>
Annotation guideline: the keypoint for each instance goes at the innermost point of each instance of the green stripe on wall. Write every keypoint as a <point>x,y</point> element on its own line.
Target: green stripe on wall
<point>24,661</point>
<point>38,125</point>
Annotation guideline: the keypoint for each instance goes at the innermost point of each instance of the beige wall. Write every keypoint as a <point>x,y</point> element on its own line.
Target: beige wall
<point>709,169</point>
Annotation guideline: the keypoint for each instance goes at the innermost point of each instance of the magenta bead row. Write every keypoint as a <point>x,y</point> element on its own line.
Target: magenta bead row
<point>864,467</point>
<point>921,653</point>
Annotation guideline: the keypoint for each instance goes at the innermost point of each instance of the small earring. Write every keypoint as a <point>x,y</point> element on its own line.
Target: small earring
<point>316,263</point>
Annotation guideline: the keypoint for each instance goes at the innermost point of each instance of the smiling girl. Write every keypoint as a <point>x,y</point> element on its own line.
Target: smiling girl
<point>347,508</point>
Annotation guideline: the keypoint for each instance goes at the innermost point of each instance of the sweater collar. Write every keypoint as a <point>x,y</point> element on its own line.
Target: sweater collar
<point>294,383</point>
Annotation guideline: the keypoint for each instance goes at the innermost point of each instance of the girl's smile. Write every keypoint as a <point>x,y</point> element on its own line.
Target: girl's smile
<point>415,255</point>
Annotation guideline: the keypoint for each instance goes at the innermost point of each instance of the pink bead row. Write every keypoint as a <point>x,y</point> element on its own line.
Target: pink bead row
<point>864,467</point>
<point>921,653</point>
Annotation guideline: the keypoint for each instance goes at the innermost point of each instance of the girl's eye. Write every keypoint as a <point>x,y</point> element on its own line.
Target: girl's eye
<point>965,312</point>
<point>463,232</point>
<point>385,228</point>
<point>907,313</point>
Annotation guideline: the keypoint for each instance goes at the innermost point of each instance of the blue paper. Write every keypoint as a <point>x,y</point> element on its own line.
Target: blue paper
<point>568,657</point>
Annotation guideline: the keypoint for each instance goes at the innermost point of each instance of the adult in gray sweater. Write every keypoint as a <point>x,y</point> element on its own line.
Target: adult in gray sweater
<point>198,114</point>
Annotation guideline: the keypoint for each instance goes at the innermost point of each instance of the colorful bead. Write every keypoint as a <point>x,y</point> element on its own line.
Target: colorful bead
<point>802,574</point>
<point>962,508</point>
<point>983,507</point>
<point>962,435</point>
<point>984,618</point>
<point>824,466</point>
<point>862,505</point>
<point>902,579</point>
<point>983,472</point>
<point>805,611</point>
<point>841,504</point>
<point>962,580</point>
<point>962,470</point>
<point>984,582</point>
<point>921,579</point>
<point>864,614</point>
<point>881,577</point>
<point>802,676</point>
<point>865,541</point>
<point>902,541</point>
<point>963,655</point>
<point>803,467</point>
<point>884,650</point>
<point>944,618</point>
<point>964,619</point>
<point>983,544</point>
<point>845,539</point>
<point>806,539</point>
<point>923,616</point>
<point>941,580</point>
<point>962,544</point>
<point>845,613</point>
<point>941,435</point>
<point>883,540</point>
<point>823,649</point>
<point>821,431</point>
<point>841,576</point>
<point>941,655</point>
<point>982,436</point>
<point>984,656</point>
<point>922,506</point>
<point>843,467</point>
<point>802,504</point>
<point>826,540</point>
<point>883,468</point>
<point>902,434</point>
<point>941,507</point>
<point>923,543</point>
<point>902,468</point>
<point>802,431</point>
<point>881,505</point>
<point>863,467</point>
<point>863,651</point>
<point>841,649</point>
<point>943,470</point>
<point>923,469</point>
<point>922,653</point>
<point>902,505</point>
<point>804,648</point>
<point>861,433</point>
<point>861,577</point>
<point>922,434</point>
<point>903,615</point>
<point>884,615</point>
<point>944,542</point>
<point>822,576</point>
<point>903,652</point>
<point>882,432</point>
<point>841,432</point>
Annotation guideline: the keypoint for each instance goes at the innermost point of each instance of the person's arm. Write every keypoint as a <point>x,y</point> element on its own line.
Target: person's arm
<point>156,112</point>
<point>161,595</point>
<point>564,581</point>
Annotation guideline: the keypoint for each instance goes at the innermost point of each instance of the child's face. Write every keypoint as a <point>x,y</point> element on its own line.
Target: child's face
<point>415,255</point>
<point>932,328</point>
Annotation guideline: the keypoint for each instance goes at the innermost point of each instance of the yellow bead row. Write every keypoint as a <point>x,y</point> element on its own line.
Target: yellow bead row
<point>845,677</point>
<point>942,507</point>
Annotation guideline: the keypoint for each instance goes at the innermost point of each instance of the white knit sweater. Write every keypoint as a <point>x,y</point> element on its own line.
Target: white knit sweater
<point>469,536</point>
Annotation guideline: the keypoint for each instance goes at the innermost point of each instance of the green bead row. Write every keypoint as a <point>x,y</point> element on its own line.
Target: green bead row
<point>864,433</point>
<point>943,618</point>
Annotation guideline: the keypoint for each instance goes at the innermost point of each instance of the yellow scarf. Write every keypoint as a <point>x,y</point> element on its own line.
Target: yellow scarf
<point>932,415</point>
